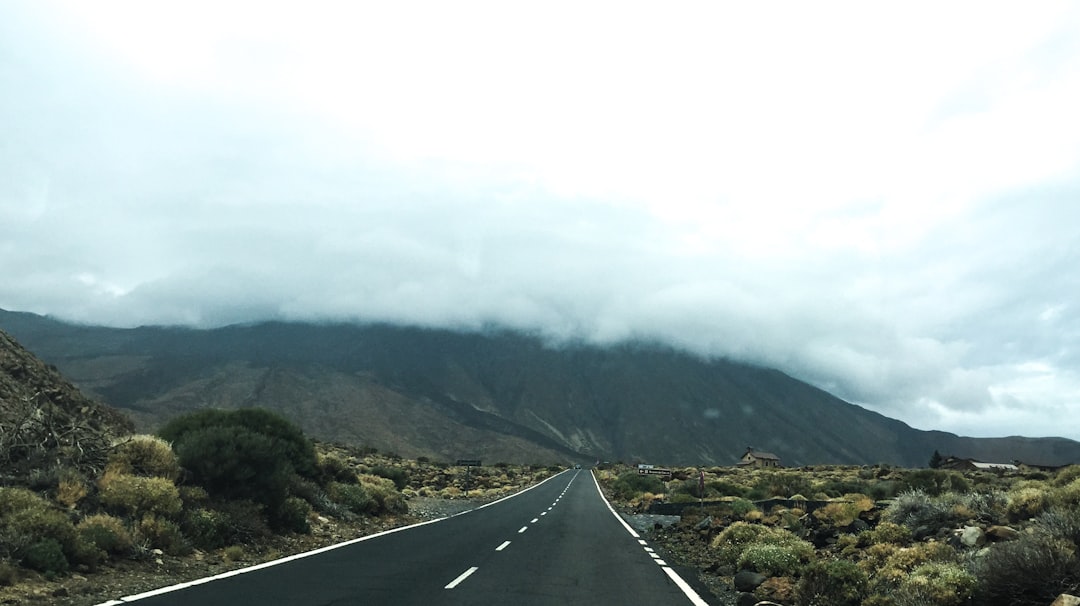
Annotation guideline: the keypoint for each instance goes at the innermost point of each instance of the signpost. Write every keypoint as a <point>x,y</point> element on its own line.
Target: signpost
<point>468,464</point>
<point>652,470</point>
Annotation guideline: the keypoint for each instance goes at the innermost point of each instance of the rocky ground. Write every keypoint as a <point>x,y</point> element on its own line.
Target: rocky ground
<point>129,577</point>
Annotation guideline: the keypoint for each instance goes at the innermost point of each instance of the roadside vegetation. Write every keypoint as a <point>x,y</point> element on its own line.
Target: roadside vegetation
<point>870,536</point>
<point>227,485</point>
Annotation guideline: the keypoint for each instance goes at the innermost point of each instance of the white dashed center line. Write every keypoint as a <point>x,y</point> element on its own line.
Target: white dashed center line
<point>461,578</point>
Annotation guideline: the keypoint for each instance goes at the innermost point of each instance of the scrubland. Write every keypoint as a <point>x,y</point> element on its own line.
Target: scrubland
<point>869,536</point>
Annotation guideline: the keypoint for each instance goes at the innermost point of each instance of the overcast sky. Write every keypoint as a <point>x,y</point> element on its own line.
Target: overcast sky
<point>882,199</point>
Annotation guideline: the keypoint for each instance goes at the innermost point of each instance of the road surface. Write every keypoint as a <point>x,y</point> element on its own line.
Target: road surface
<point>556,543</point>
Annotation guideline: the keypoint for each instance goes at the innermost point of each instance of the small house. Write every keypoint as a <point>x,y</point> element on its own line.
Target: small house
<point>757,458</point>
<point>959,464</point>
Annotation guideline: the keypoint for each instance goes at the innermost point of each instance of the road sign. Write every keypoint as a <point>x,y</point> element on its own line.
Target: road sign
<point>468,462</point>
<point>653,471</point>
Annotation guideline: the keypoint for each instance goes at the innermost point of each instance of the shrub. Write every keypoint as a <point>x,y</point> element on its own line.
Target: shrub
<point>236,463</point>
<point>1033,569</point>
<point>923,514</point>
<point>352,497</point>
<point>1026,503</point>
<point>386,497</point>
<point>752,545</point>
<point>731,541</point>
<point>71,488</point>
<point>46,556</point>
<point>147,456</point>
<point>106,533</point>
<point>938,583</point>
<point>8,573</point>
<point>887,532</point>
<point>397,475</point>
<point>631,485</point>
<point>741,507</point>
<point>292,516</point>
<point>780,484</point>
<point>333,468</point>
<point>286,440</point>
<point>26,519</point>
<point>935,481</point>
<point>1066,475</point>
<point>726,489</point>
<point>1060,523</point>
<point>235,522</point>
<point>778,560</point>
<point>137,495</point>
<point>207,528</point>
<point>163,534</point>
<point>892,564</point>
<point>832,582</point>
<point>1067,495</point>
<point>844,513</point>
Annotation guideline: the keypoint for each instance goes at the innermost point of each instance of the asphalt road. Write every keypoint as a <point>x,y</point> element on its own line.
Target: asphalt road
<point>557,543</point>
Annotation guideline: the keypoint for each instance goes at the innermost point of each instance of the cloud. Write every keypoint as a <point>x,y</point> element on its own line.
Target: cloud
<point>873,200</point>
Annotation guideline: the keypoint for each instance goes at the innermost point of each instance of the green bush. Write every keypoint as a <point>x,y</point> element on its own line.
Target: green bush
<point>935,482</point>
<point>147,456</point>
<point>397,475</point>
<point>386,497</point>
<point>106,533</point>
<point>832,582</point>
<point>926,515</point>
<point>775,559</point>
<point>631,485</point>
<point>781,484</point>
<point>741,507</point>
<point>938,583</point>
<point>226,523</point>
<point>287,440</point>
<point>332,468</point>
<point>724,488</point>
<point>163,534</point>
<point>237,464</point>
<point>1033,569</point>
<point>206,528</point>
<point>292,516</point>
<point>26,519</point>
<point>886,532</point>
<point>9,573</point>
<point>352,497</point>
<point>46,556</point>
<point>1027,502</point>
<point>137,495</point>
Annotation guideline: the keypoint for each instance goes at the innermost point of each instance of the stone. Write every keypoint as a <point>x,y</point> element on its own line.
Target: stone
<point>1002,533</point>
<point>746,599</point>
<point>1066,600</point>
<point>972,536</point>
<point>748,580</point>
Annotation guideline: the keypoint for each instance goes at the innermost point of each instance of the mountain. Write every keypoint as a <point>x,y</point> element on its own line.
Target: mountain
<point>46,421</point>
<point>496,395</point>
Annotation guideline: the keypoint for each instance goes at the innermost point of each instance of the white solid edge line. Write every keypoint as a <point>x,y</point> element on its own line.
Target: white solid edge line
<point>232,573</point>
<point>691,595</point>
<point>687,589</point>
<point>461,578</point>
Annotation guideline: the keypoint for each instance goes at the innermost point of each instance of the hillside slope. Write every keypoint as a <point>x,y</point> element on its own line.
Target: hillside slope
<point>498,396</point>
<point>45,421</point>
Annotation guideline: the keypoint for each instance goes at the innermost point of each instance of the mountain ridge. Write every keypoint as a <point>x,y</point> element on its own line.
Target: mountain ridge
<point>446,394</point>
